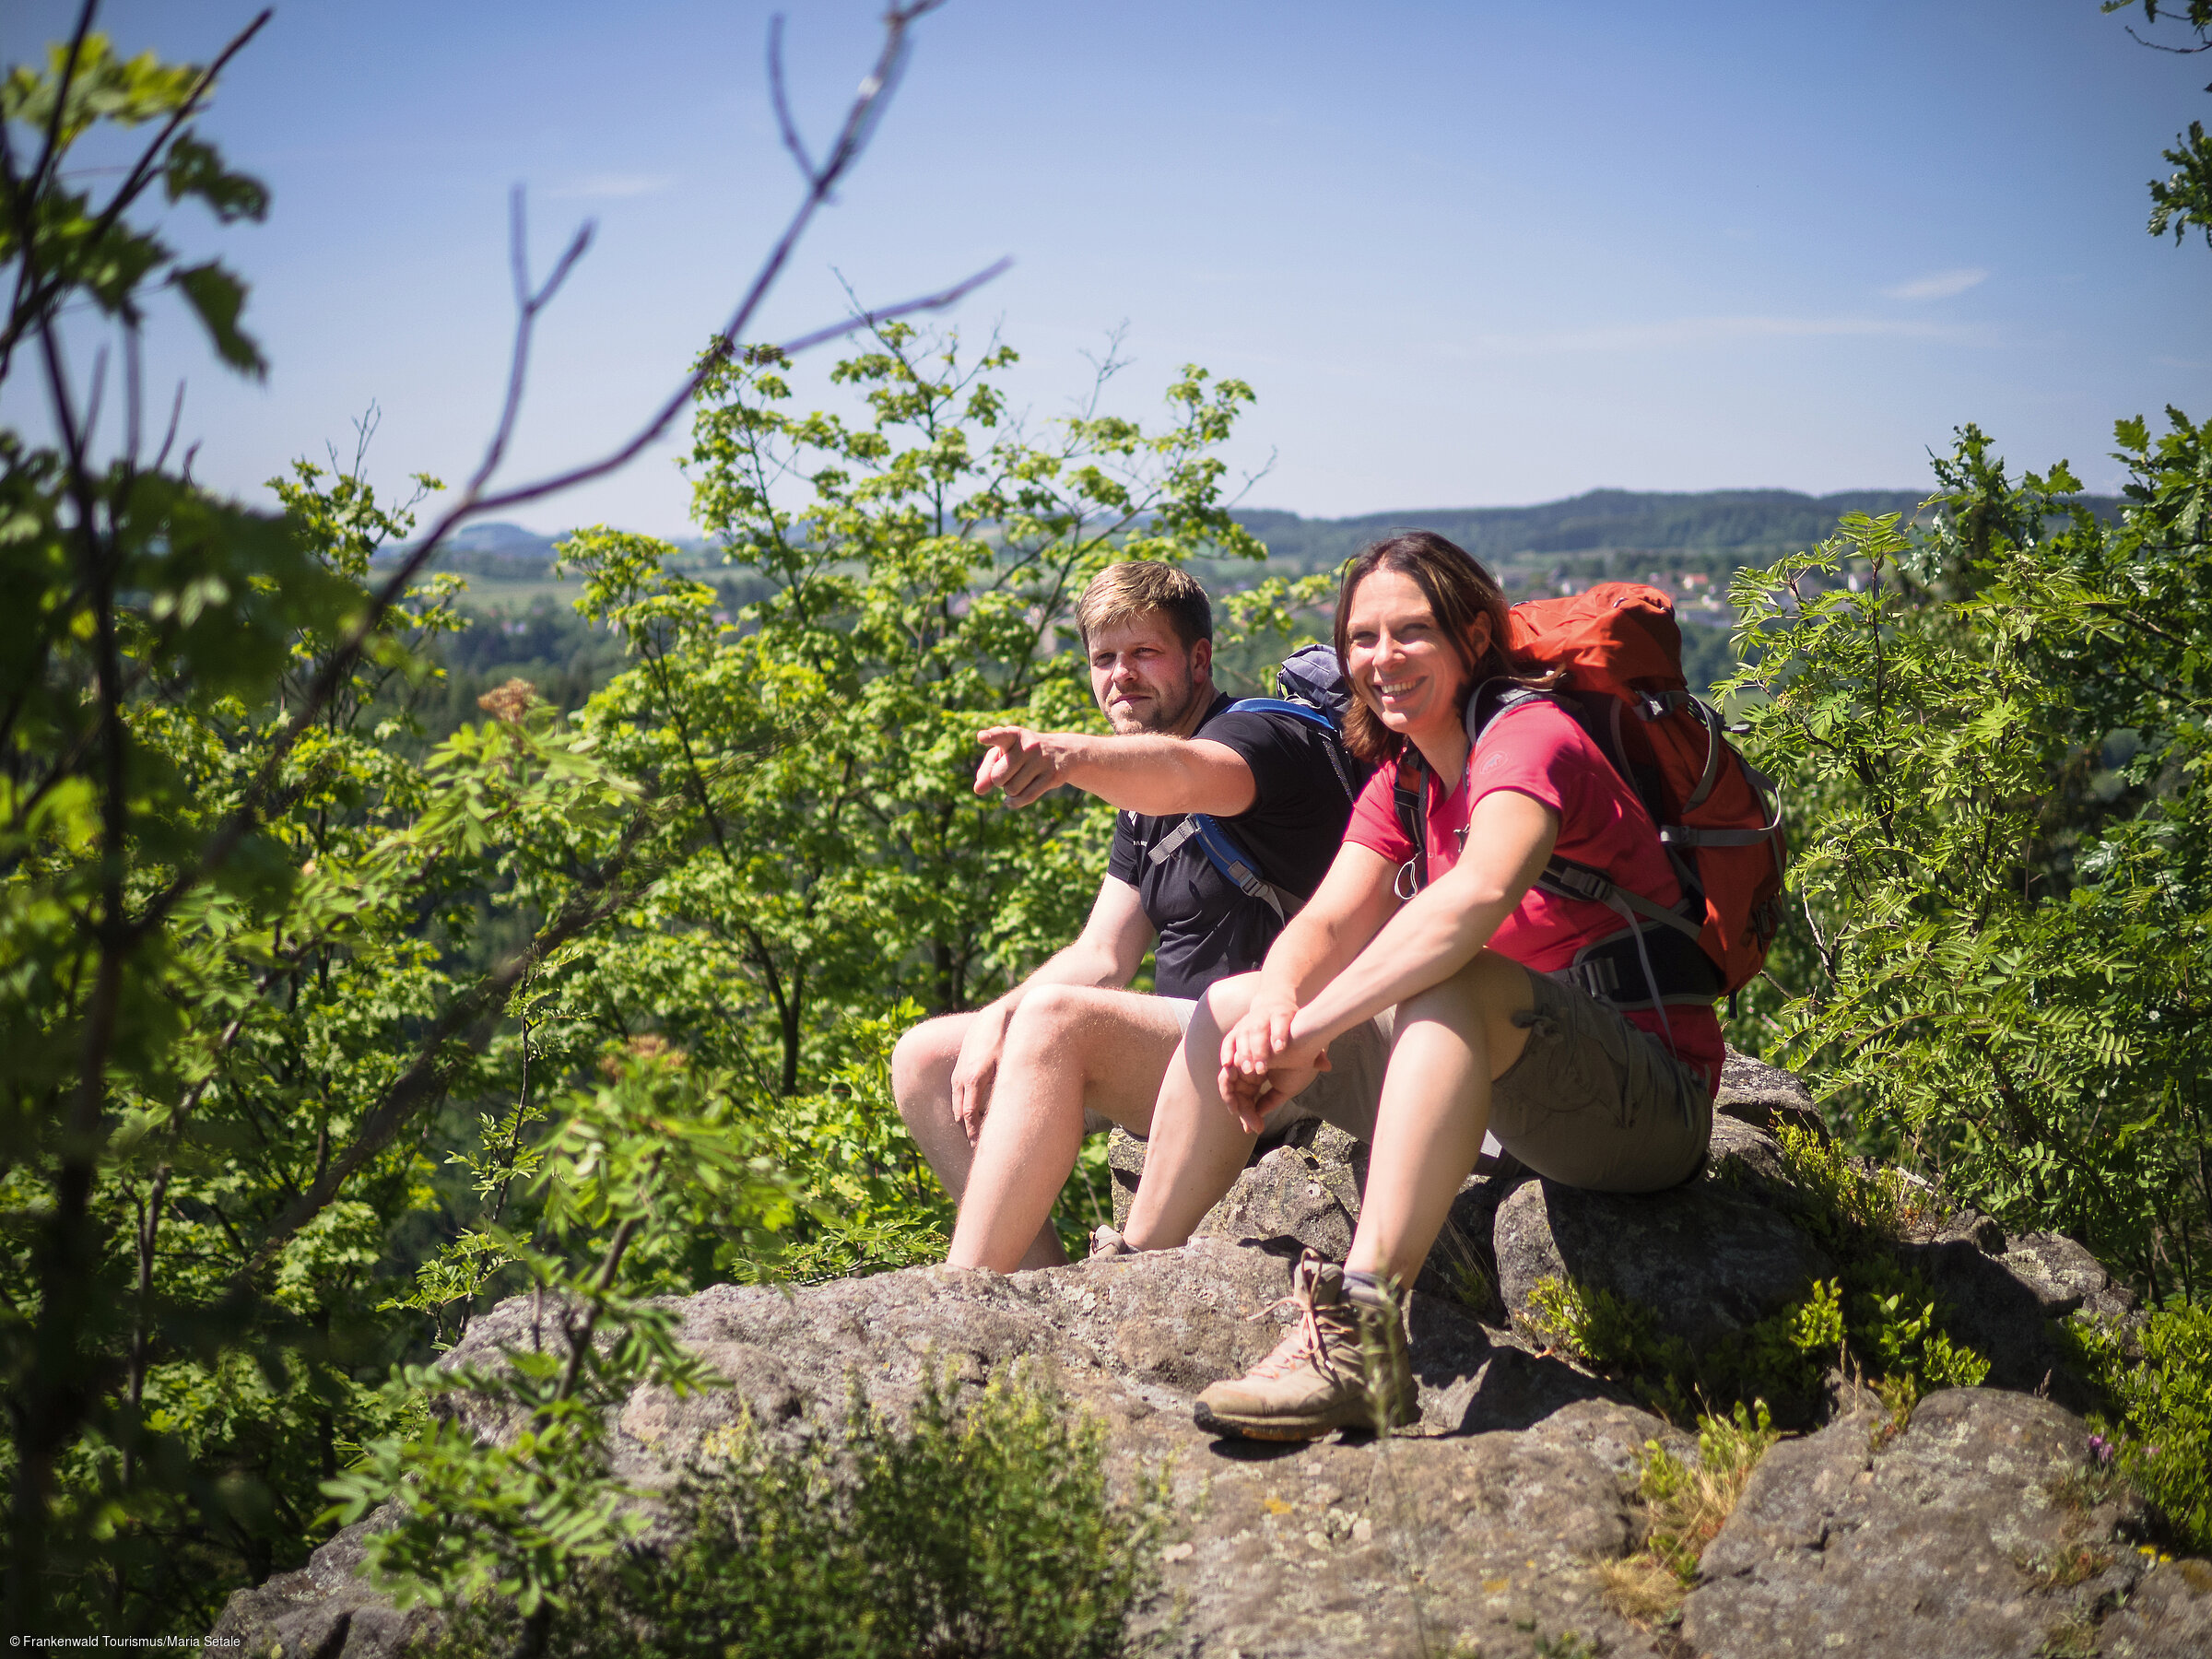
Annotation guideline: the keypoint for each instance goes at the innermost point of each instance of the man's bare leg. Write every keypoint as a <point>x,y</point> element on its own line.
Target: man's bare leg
<point>1069,1047</point>
<point>922,1083</point>
<point>1196,1147</point>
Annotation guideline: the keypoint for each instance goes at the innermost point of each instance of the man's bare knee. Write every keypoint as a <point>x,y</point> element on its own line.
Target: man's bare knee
<point>1052,1008</point>
<point>922,1063</point>
<point>1052,1017</point>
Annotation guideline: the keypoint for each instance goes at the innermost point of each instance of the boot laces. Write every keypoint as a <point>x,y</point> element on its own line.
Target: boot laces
<point>1308,1345</point>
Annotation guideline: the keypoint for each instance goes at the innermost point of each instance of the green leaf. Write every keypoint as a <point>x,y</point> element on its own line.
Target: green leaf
<point>219,297</point>
<point>196,169</point>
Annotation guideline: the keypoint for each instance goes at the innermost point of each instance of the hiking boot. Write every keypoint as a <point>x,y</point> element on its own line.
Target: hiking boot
<point>1106,1242</point>
<point>1346,1357</point>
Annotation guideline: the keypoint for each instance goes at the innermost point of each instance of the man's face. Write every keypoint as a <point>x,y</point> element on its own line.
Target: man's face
<point>1143,676</point>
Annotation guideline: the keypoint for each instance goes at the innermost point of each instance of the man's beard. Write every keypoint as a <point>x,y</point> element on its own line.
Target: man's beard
<point>1163,715</point>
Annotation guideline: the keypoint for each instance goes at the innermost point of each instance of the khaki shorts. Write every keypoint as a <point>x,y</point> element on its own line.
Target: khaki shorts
<point>1593,1101</point>
<point>1345,1095</point>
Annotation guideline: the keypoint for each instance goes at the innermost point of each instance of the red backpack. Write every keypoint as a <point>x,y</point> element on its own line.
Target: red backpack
<point>1618,649</point>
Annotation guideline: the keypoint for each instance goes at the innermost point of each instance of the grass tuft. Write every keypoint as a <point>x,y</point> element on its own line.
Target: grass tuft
<point>1687,1503</point>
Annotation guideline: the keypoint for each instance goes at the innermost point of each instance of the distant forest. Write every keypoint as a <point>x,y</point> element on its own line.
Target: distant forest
<point>1742,525</point>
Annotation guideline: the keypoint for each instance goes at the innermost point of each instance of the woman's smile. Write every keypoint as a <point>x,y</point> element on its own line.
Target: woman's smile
<point>1399,657</point>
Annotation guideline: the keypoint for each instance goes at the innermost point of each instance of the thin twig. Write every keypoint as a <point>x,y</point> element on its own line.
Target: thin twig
<point>776,93</point>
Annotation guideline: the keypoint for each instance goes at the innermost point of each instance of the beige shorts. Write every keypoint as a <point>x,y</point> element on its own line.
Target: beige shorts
<point>1595,1102</point>
<point>1592,1102</point>
<point>1345,1095</point>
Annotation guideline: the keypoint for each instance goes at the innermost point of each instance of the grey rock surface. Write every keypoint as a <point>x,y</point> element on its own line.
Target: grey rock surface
<point>1708,1258</point>
<point>1304,1194</point>
<point>323,1610</point>
<point>2169,1616</point>
<point>1762,1095</point>
<point>1478,1528</point>
<point>1948,1540</point>
<point>2004,1294</point>
<point>1480,1522</point>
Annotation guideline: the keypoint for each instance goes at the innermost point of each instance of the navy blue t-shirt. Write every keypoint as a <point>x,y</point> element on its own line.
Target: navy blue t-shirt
<point>1209,928</point>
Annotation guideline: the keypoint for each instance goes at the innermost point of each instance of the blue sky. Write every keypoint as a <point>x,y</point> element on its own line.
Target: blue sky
<point>1466,253</point>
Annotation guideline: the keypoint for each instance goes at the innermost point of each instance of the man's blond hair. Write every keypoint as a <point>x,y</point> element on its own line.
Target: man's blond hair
<point>1121,592</point>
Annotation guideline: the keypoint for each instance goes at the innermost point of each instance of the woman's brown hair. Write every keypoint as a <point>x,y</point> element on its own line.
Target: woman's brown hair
<point>1459,591</point>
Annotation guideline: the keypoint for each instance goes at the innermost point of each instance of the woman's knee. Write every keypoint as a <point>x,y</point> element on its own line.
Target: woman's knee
<point>1224,1003</point>
<point>1488,987</point>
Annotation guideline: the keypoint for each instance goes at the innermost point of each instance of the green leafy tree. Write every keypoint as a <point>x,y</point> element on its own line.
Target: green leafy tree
<point>920,590</point>
<point>1994,746</point>
<point>240,982</point>
<point>518,1519</point>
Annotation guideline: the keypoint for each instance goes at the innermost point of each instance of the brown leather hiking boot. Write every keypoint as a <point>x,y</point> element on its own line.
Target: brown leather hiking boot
<point>1323,1375</point>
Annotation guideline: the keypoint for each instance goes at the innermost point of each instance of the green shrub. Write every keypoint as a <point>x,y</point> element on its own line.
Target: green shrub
<point>2160,1429</point>
<point>987,1528</point>
<point>1853,1205</point>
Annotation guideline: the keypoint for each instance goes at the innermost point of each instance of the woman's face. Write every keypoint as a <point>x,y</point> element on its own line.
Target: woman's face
<point>1399,659</point>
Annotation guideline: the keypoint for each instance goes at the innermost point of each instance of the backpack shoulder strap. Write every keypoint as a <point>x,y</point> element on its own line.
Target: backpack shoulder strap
<point>1311,717</point>
<point>1202,830</point>
<point>1494,697</point>
<point>1282,705</point>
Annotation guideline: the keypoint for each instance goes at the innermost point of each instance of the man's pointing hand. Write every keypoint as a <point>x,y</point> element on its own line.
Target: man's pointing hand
<point>1023,763</point>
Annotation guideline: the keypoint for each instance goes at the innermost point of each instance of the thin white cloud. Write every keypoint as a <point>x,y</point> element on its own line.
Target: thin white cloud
<point>606,187</point>
<point>1706,331</point>
<point>1939,285</point>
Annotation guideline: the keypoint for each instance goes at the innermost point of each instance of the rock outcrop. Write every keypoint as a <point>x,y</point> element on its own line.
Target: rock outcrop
<point>1979,1527</point>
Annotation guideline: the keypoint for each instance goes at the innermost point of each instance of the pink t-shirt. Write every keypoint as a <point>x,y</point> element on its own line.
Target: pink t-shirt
<point>1537,750</point>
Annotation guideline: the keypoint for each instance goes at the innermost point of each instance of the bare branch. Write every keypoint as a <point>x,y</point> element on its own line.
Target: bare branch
<point>100,395</point>
<point>49,147</point>
<point>869,319</point>
<point>141,173</point>
<point>790,128</point>
<point>134,387</point>
<point>176,414</point>
<point>526,306</point>
<point>852,137</point>
<point>24,192</point>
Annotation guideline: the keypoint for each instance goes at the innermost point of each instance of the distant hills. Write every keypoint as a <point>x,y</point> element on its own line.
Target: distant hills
<point>1599,534</point>
<point>1733,526</point>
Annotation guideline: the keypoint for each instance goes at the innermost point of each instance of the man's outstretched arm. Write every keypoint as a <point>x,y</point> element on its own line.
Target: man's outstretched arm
<point>1106,953</point>
<point>1141,773</point>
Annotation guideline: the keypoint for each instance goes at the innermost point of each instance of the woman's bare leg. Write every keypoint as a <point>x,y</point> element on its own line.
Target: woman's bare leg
<point>1196,1146</point>
<point>1450,1040</point>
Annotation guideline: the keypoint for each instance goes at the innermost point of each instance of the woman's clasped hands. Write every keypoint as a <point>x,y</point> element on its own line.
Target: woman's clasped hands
<point>1263,1065</point>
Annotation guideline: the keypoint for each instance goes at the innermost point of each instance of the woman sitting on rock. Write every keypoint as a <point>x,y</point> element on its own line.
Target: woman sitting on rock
<point>1464,979</point>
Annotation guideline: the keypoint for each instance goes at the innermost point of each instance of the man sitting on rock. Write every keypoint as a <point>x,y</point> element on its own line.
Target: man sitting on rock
<point>999,1099</point>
